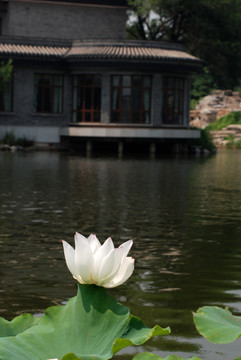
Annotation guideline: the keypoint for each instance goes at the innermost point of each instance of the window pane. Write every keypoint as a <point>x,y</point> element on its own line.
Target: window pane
<point>115,99</point>
<point>147,81</point>
<point>87,116</point>
<point>173,104</point>
<point>48,94</point>
<point>115,116</point>
<point>88,88</point>
<point>136,98</point>
<point>88,98</point>
<point>125,117</point>
<point>96,116</point>
<point>80,99</point>
<point>136,117</point>
<point>75,98</point>
<point>131,98</point>
<point>116,80</point>
<point>126,92</point>
<point>46,80</point>
<point>126,81</point>
<point>146,99</point>
<point>96,101</point>
<point>146,118</point>
<point>137,81</point>
<point>46,100</point>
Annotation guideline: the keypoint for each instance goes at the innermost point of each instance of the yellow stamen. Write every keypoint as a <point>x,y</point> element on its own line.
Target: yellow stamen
<point>91,278</point>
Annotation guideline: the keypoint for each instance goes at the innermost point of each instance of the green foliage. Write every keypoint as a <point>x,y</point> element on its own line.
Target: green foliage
<point>237,144</point>
<point>232,118</point>
<point>232,144</point>
<point>150,356</point>
<point>10,139</point>
<point>217,325</point>
<point>17,325</point>
<point>201,27</point>
<point>202,84</point>
<point>5,72</point>
<point>205,141</point>
<point>230,137</point>
<point>92,325</point>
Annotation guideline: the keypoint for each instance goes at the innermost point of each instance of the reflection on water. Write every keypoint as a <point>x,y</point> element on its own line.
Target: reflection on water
<point>183,214</point>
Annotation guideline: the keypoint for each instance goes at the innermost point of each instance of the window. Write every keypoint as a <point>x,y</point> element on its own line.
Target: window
<point>48,93</point>
<point>172,100</point>
<point>131,99</point>
<point>6,97</point>
<point>86,98</point>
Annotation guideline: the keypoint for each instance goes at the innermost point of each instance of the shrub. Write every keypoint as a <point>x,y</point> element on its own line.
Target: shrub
<point>232,118</point>
<point>11,140</point>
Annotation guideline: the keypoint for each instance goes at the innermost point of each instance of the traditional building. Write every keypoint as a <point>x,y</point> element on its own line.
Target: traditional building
<point>77,78</point>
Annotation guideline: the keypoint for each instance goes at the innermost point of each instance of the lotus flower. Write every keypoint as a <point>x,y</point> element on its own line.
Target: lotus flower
<point>102,265</point>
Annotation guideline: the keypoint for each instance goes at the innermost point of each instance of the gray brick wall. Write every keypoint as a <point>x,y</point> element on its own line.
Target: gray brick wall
<point>65,21</point>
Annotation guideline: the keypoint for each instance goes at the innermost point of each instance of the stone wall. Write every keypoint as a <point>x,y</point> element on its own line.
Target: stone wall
<point>63,21</point>
<point>219,103</point>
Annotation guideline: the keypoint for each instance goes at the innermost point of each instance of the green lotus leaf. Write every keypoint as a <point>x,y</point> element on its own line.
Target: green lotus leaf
<point>88,357</point>
<point>217,325</point>
<point>17,325</point>
<point>150,356</point>
<point>91,326</point>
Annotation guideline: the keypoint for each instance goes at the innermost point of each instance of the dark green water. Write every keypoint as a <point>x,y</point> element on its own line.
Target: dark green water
<point>184,215</point>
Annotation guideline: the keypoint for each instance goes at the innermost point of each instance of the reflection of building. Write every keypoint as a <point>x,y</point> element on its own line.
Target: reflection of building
<point>76,76</point>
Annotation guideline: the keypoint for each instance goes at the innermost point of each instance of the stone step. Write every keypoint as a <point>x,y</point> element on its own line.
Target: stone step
<point>222,133</point>
<point>235,127</point>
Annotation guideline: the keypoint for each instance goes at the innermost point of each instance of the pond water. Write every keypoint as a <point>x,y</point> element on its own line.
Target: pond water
<point>182,212</point>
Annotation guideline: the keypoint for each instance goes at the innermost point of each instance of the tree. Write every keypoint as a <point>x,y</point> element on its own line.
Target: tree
<point>5,73</point>
<point>209,29</point>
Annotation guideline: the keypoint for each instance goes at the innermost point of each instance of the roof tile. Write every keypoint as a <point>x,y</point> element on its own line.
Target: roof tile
<point>98,51</point>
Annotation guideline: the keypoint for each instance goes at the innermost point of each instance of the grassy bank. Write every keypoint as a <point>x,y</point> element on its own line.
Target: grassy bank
<point>232,118</point>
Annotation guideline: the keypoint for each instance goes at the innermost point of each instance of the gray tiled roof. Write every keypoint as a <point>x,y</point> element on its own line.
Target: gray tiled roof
<point>100,50</point>
<point>128,52</point>
<point>32,50</point>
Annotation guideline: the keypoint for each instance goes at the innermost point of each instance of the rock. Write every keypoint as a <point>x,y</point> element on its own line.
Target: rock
<point>219,103</point>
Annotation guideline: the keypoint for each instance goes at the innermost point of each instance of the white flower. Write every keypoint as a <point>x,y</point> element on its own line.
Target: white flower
<point>102,265</point>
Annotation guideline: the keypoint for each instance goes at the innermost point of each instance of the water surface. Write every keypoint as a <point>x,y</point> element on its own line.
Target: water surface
<point>183,214</point>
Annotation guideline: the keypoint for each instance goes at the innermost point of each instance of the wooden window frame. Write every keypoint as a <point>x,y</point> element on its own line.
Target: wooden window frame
<point>140,115</point>
<point>41,91</point>
<point>85,109</point>
<point>173,100</point>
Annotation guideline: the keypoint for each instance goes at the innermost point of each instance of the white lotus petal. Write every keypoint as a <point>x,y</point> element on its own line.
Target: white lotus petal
<point>124,273</point>
<point>126,247</point>
<point>118,260</point>
<point>83,258</point>
<point>94,243</point>
<point>108,265</point>
<point>120,255</point>
<point>93,263</point>
<point>105,249</point>
<point>69,257</point>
